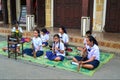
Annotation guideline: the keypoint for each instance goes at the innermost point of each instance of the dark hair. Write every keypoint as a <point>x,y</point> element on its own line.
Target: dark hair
<point>37,31</point>
<point>63,28</point>
<point>15,22</point>
<point>56,35</point>
<point>91,38</point>
<point>88,32</point>
<point>45,31</point>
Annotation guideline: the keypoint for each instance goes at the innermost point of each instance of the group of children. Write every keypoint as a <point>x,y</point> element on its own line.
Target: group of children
<point>40,40</point>
<point>60,43</point>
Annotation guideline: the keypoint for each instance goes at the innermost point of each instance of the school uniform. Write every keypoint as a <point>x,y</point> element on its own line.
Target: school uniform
<point>45,38</point>
<point>64,37</point>
<point>91,52</point>
<point>52,55</point>
<point>37,43</point>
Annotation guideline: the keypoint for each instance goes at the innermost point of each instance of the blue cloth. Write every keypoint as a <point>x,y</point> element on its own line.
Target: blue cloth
<point>30,52</point>
<point>52,56</point>
<point>46,43</point>
<point>13,46</point>
<point>95,63</point>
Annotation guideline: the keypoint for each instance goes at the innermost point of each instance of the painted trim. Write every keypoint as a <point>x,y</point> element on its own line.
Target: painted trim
<point>9,12</point>
<point>18,7</point>
<point>52,13</point>
<point>104,15</point>
<point>94,14</point>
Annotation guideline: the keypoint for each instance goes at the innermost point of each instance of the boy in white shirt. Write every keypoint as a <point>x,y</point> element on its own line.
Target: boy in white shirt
<point>88,33</point>
<point>16,27</point>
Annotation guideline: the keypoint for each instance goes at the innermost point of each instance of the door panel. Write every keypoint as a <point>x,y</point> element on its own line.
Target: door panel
<point>13,10</point>
<point>67,13</point>
<point>113,16</point>
<point>40,11</point>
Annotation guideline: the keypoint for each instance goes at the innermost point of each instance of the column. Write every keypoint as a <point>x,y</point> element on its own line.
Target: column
<point>5,11</point>
<point>85,4</point>
<point>29,5</point>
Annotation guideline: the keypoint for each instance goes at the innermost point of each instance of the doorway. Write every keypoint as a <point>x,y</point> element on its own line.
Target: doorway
<point>112,23</point>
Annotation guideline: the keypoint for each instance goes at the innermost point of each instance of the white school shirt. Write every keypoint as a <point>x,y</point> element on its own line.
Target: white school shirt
<point>44,37</point>
<point>93,51</point>
<point>60,45</point>
<point>64,37</point>
<point>19,28</point>
<point>37,42</point>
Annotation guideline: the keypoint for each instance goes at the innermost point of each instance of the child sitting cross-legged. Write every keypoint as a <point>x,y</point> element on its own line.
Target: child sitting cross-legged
<point>92,60</point>
<point>44,34</point>
<point>36,49</point>
<point>58,50</point>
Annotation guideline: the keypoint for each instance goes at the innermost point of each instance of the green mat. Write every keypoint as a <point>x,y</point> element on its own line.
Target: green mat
<point>66,64</point>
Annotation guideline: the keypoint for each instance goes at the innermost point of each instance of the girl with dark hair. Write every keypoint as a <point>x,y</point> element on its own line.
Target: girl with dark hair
<point>44,36</point>
<point>64,36</point>
<point>92,60</point>
<point>58,50</point>
<point>36,49</point>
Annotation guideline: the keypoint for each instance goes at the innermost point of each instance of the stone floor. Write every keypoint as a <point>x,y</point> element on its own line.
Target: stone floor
<point>20,69</point>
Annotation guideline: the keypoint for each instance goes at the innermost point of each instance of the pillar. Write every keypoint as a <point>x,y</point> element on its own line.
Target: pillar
<point>5,11</point>
<point>29,5</point>
<point>85,4</point>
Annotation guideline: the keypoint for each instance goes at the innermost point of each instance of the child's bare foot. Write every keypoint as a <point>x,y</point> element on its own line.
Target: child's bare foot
<point>4,49</point>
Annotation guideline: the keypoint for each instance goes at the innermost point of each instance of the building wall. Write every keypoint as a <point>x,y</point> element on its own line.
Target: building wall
<point>9,13</point>
<point>18,9</point>
<point>97,20</point>
<point>98,15</point>
<point>48,13</point>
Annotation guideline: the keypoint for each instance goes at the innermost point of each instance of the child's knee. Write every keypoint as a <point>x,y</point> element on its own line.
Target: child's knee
<point>57,59</point>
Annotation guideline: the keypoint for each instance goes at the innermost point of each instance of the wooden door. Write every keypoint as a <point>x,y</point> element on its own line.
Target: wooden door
<point>90,13</point>
<point>1,15</point>
<point>112,23</point>
<point>13,10</point>
<point>5,11</point>
<point>67,13</point>
<point>40,11</point>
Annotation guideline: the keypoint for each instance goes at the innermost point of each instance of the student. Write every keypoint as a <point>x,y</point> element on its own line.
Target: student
<point>44,36</point>
<point>16,27</point>
<point>92,60</point>
<point>64,36</point>
<point>36,49</point>
<point>88,33</point>
<point>58,50</point>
